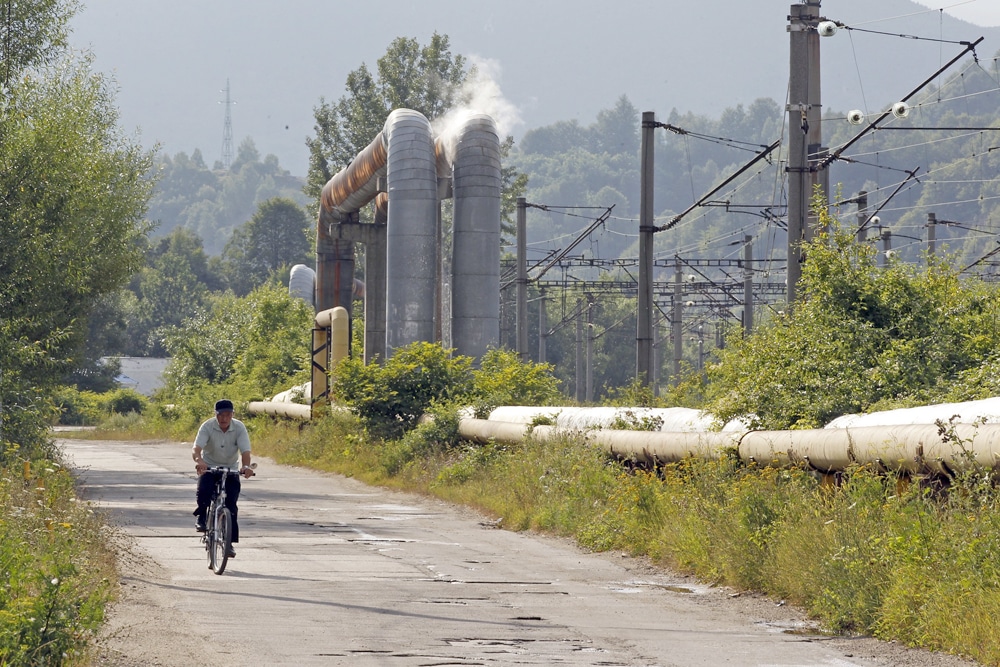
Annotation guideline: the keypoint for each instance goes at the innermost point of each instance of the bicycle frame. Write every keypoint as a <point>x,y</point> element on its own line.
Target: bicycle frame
<point>218,534</point>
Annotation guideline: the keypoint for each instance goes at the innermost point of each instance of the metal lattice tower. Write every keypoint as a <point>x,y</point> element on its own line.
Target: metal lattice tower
<point>227,132</point>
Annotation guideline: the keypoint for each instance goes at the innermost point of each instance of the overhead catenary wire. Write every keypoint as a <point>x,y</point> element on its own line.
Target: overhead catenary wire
<point>760,156</point>
<point>896,17</point>
<point>765,211</point>
<point>834,155</point>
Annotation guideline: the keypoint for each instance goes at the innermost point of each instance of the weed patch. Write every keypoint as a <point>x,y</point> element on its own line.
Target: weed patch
<point>50,602</point>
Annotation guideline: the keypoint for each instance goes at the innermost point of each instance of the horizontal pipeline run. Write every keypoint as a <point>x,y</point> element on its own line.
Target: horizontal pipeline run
<point>913,448</point>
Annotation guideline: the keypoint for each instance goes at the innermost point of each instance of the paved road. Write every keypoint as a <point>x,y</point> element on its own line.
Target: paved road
<point>333,572</point>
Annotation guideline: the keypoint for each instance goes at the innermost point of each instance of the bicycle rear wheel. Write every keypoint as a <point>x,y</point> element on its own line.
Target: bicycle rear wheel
<point>221,540</point>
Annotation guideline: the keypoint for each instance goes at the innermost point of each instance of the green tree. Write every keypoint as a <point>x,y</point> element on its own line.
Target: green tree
<point>257,344</point>
<point>502,379</point>
<point>32,33</point>
<point>617,129</point>
<point>173,286</point>
<point>390,398</point>
<point>862,337</point>
<point>426,78</point>
<point>212,203</point>
<point>72,200</point>
<point>275,238</point>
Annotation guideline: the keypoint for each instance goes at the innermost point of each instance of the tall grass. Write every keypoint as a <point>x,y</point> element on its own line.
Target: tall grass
<point>871,554</point>
<point>56,572</point>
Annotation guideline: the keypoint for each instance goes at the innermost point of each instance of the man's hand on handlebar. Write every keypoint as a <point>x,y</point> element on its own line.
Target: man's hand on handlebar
<point>200,467</point>
<point>247,471</point>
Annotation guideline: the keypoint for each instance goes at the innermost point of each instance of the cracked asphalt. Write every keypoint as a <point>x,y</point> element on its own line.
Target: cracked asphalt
<point>333,572</point>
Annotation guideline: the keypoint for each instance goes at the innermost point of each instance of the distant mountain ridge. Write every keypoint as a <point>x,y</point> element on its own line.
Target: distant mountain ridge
<point>558,60</point>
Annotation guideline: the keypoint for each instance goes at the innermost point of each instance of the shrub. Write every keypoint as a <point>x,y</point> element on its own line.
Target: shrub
<point>391,397</point>
<point>77,408</point>
<point>123,401</point>
<point>57,573</point>
<point>502,379</point>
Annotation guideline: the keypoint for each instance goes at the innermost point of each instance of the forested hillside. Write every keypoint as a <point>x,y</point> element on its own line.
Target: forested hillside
<point>211,203</point>
<point>942,140</point>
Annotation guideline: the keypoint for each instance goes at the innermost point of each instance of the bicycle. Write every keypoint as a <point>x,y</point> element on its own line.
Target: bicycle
<point>218,535</point>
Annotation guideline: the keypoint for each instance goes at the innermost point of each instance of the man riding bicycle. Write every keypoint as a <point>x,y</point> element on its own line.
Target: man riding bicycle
<point>222,441</point>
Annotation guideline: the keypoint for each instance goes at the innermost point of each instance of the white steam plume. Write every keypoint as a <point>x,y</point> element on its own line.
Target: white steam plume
<point>480,94</point>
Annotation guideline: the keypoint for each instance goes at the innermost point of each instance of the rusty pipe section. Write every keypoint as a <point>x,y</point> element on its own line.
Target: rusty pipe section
<point>357,184</point>
<point>443,156</point>
<point>381,208</point>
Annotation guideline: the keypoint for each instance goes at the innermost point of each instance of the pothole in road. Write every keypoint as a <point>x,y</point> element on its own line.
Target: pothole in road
<point>804,628</point>
<point>534,647</point>
<point>641,586</point>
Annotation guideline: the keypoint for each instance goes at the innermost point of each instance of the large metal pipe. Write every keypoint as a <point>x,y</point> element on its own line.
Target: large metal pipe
<point>411,179</point>
<point>642,446</point>
<point>280,409</point>
<point>475,299</point>
<point>355,185</point>
<point>402,154</point>
<point>343,195</point>
<point>913,449</point>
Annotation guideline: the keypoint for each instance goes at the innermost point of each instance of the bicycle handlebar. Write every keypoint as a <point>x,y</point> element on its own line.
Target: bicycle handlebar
<point>228,470</point>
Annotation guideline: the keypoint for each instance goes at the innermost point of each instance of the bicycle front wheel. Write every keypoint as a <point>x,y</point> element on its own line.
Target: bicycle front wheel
<point>208,537</point>
<point>221,540</point>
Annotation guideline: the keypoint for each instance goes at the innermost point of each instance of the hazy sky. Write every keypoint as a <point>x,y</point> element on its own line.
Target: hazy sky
<point>553,60</point>
<point>979,12</point>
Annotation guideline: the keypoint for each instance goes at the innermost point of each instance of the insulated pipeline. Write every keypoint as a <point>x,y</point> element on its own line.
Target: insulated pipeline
<point>357,184</point>
<point>911,449</point>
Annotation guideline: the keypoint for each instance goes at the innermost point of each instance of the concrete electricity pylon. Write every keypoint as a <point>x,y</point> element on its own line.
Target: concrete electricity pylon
<point>804,133</point>
<point>227,132</point>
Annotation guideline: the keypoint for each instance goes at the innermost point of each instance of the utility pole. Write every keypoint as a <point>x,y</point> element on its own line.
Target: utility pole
<point>931,236</point>
<point>657,352</point>
<point>803,130</point>
<point>816,152</point>
<point>579,351</point>
<point>522,281</point>
<point>590,349</point>
<point>862,200</point>
<point>747,285</point>
<point>644,319</point>
<point>227,133</point>
<point>675,325</point>
<point>701,348</point>
<point>543,326</point>
<point>886,246</point>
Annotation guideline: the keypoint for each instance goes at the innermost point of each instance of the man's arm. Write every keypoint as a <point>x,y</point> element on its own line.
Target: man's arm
<point>245,468</point>
<point>199,463</point>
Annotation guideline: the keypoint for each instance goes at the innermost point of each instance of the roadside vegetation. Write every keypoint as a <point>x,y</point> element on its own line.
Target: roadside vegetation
<point>57,569</point>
